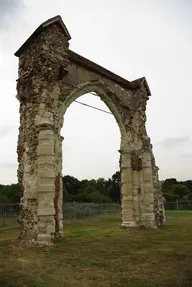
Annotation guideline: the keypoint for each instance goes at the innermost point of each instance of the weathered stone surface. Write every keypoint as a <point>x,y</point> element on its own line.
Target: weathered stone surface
<point>45,188</point>
<point>46,134</point>
<point>46,211</point>
<point>44,238</point>
<point>47,149</point>
<point>51,77</point>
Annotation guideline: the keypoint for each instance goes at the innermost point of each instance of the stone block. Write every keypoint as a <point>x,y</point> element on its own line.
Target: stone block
<point>43,172</point>
<point>137,218</point>
<point>46,134</point>
<point>148,187</point>
<point>46,180</point>
<point>48,115</point>
<point>127,198</point>
<point>37,120</point>
<point>30,186</point>
<point>146,159</point>
<point>147,174</point>
<point>44,237</point>
<point>128,205</point>
<point>45,204</point>
<point>45,200</point>
<point>41,224</point>
<point>45,211</point>
<point>128,223</point>
<point>27,167</point>
<point>126,185</point>
<point>45,150</point>
<point>61,224</point>
<point>46,188</point>
<point>126,159</point>
<point>50,229</point>
<point>48,168</point>
<point>42,109</point>
<point>149,217</point>
<point>136,191</point>
<point>47,141</point>
<point>149,198</point>
<point>126,175</point>
<point>47,219</point>
<point>42,227</point>
<point>127,217</point>
<point>126,190</point>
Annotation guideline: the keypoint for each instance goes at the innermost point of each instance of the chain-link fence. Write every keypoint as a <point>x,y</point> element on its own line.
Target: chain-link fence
<point>9,215</point>
<point>178,205</point>
<point>78,211</point>
<point>71,211</point>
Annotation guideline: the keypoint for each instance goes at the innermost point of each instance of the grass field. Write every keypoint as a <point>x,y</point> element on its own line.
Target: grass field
<point>101,254</point>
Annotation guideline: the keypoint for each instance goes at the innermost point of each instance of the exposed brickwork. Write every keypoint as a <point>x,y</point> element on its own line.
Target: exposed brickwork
<point>136,161</point>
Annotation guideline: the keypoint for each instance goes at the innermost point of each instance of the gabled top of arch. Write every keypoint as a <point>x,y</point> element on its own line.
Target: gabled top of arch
<point>56,19</point>
<point>82,61</point>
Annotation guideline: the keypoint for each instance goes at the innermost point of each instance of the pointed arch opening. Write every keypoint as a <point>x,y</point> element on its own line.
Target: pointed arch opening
<point>99,90</point>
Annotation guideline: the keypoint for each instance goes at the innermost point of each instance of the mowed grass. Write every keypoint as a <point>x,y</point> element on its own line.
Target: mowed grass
<point>99,253</point>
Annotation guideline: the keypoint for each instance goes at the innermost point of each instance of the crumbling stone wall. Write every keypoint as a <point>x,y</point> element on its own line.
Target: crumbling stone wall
<point>38,174</point>
<point>51,77</point>
<point>159,209</point>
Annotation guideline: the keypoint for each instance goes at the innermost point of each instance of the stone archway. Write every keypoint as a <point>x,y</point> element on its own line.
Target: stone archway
<point>51,77</point>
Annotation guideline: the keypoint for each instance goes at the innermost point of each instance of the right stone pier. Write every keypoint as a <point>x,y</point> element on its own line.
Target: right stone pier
<point>148,191</point>
<point>159,209</point>
<point>142,202</point>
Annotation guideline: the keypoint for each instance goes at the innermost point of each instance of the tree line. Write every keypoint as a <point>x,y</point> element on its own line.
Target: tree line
<point>177,190</point>
<point>95,190</point>
<point>100,190</point>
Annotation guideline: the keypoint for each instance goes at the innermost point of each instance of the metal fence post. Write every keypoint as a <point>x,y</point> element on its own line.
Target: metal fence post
<point>90,213</point>
<point>101,209</point>
<point>3,218</point>
<point>74,210</point>
<point>177,206</point>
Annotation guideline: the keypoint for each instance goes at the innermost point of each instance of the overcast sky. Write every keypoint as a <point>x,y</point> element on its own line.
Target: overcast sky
<point>133,38</point>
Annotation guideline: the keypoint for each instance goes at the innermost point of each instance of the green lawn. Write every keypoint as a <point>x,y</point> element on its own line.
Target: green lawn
<point>101,254</point>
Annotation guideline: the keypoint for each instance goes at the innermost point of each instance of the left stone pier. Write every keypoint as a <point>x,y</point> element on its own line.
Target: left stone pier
<point>46,183</point>
<point>43,62</point>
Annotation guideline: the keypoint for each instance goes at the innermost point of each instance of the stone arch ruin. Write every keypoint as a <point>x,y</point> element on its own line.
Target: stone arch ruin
<point>51,77</point>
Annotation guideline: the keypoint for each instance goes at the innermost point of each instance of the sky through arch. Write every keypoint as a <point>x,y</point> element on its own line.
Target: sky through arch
<point>91,140</point>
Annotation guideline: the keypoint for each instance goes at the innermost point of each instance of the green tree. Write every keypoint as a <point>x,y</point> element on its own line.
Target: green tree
<point>101,185</point>
<point>96,197</point>
<point>187,183</point>
<point>71,185</point>
<point>167,184</point>
<point>12,192</point>
<point>3,198</point>
<point>180,189</point>
<point>114,187</point>
<point>171,196</point>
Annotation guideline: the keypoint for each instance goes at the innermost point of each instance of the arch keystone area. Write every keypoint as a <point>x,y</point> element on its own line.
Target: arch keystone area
<point>51,77</point>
